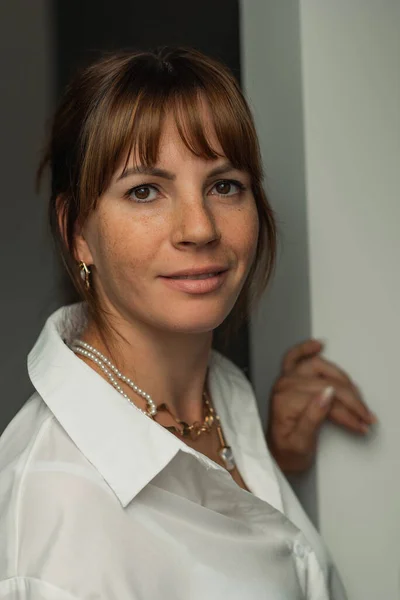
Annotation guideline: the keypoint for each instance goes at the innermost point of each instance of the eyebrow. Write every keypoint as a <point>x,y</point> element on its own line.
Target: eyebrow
<point>153,171</point>
<point>156,172</point>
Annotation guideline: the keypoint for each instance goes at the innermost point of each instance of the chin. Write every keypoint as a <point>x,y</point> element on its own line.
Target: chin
<point>196,322</point>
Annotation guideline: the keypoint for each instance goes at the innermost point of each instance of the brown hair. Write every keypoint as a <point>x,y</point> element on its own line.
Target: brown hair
<point>118,105</point>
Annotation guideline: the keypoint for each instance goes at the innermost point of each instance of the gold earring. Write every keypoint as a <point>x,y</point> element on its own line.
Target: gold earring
<point>85,274</point>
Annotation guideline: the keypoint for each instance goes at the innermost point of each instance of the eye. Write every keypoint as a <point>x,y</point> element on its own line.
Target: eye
<point>228,187</point>
<point>142,193</point>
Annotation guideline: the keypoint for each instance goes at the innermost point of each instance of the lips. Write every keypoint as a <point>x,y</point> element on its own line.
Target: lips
<point>198,272</point>
<point>201,276</point>
<point>196,284</point>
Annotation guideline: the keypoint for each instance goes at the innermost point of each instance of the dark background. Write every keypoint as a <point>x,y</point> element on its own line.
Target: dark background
<point>82,29</point>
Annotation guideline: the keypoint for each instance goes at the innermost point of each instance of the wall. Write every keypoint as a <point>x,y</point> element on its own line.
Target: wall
<point>350,97</point>
<point>28,275</point>
<point>272,80</point>
<point>351,54</point>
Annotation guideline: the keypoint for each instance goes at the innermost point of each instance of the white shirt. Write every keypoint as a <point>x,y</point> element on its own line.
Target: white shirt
<point>99,501</point>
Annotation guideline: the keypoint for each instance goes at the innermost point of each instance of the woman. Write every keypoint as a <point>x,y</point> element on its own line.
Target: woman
<point>139,467</point>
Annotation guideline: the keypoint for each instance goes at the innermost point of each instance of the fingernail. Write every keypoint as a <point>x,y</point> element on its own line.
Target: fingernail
<point>327,396</point>
<point>364,428</point>
<point>372,417</point>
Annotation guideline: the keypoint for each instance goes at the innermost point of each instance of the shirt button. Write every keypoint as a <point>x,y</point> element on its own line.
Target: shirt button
<point>299,550</point>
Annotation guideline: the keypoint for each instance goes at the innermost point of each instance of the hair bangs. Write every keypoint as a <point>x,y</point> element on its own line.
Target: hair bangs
<point>140,139</point>
<point>236,133</point>
<point>131,129</point>
<point>189,109</point>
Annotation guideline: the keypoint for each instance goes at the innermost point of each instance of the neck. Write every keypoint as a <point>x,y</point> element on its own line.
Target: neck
<point>171,367</point>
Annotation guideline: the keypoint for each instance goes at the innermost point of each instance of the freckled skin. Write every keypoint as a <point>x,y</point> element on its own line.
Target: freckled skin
<point>188,225</point>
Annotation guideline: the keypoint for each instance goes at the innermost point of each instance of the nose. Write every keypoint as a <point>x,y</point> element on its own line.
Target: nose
<point>194,224</point>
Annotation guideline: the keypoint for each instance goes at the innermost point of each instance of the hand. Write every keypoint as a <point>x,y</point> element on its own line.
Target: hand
<point>308,391</point>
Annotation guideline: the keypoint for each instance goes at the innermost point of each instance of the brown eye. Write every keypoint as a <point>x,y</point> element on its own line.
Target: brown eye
<point>227,187</point>
<point>223,187</point>
<point>142,193</point>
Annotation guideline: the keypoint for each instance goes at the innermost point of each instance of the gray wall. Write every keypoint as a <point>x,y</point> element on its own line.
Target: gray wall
<point>272,80</point>
<point>28,285</point>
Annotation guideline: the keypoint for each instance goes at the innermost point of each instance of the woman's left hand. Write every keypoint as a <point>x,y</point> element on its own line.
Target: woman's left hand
<point>309,390</point>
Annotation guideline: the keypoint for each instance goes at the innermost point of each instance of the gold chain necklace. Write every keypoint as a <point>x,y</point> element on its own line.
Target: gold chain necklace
<point>197,428</point>
<point>184,430</point>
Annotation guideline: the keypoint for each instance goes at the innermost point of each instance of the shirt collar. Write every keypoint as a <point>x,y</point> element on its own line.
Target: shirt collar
<point>124,445</point>
<point>128,448</point>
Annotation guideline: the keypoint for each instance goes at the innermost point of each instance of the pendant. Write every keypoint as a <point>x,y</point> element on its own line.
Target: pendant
<point>225,452</point>
<point>227,456</point>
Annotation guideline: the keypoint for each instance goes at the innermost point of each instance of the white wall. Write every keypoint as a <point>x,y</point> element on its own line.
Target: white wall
<point>350,88</point>
<point>351,83</point>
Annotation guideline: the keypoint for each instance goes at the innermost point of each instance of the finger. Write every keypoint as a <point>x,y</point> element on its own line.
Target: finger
<point>311,384</point>
<point>318,365</point>
<point>353,403</point>
<point>287,407</point>
<point>321,367</point>
<point>299,352</point>
<point>314,415</point>
<point>343,417</point>
<point>307,383</point>
<point>346,394</point>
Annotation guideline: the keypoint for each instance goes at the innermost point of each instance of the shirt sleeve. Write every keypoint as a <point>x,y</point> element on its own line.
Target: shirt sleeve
<point>29,588</point>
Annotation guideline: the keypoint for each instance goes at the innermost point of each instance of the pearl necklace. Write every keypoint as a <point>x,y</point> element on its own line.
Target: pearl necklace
<point>225,451</point>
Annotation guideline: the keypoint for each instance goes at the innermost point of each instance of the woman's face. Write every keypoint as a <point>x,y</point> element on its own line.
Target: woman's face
<point>172,246</point>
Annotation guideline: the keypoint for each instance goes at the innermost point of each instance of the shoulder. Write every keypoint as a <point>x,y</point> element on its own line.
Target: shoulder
<point>35,447</point>
<point>21,435</point>
<point>17,444</point>
<point>45,481</point>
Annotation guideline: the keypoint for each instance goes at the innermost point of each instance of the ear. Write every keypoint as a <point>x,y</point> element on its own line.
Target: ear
<point>81,249</point>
